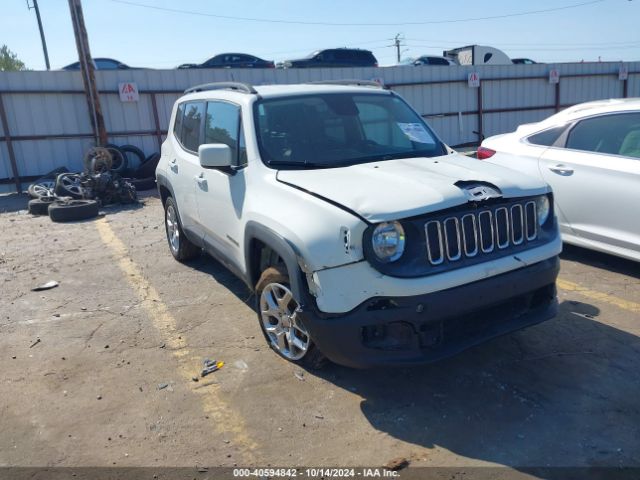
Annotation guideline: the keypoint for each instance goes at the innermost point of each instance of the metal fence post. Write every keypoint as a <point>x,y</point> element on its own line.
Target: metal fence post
<point>156,119</point>
<point>480,112</point>
<point>7,139</point>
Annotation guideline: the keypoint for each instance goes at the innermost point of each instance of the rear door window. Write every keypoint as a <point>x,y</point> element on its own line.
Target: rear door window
<point>437,61</point>
<point>615,134</point>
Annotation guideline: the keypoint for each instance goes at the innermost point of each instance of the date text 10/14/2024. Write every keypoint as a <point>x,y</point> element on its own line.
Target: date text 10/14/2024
<point>316,472</point>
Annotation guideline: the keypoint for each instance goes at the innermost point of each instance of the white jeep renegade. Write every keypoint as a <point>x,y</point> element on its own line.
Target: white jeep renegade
<point>365,238</point>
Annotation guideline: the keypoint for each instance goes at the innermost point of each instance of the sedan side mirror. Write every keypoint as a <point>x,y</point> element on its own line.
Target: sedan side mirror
<point>214,155</point>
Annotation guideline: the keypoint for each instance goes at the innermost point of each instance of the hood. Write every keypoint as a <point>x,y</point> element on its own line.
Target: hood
<point>396,189</point>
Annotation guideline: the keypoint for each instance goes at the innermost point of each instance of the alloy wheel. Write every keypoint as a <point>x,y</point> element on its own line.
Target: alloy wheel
<point>280,320</point>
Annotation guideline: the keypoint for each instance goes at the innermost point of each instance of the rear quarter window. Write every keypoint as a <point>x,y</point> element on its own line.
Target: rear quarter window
<point>177,124</point>
<point>548,137</point>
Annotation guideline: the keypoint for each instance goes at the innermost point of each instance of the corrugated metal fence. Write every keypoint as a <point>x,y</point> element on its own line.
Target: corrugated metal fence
<point>44,119</point>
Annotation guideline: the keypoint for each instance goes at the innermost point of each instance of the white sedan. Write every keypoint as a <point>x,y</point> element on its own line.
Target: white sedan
<point>590,156</point>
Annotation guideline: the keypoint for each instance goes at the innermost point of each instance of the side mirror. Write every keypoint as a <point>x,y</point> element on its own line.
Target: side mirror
<point>214,155</point>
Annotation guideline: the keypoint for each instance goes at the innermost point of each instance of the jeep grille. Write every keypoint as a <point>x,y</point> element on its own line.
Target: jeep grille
<point>468,234</point>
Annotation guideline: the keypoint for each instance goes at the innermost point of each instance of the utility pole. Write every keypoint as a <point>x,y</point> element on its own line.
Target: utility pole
<point>87,69</point>
<point>44,42</point>
<point>397,43</point>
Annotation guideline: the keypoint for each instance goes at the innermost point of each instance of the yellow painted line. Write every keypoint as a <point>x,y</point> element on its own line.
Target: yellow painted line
<point>600,296</point>
<point>226,421</point>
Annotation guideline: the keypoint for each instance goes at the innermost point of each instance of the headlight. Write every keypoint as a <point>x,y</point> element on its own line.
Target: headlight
<point>543,207</point>
<point>388,241</point>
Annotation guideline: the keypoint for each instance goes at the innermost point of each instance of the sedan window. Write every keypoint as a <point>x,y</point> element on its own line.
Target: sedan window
<point>631,144</point>
<point>616,134</point>
<point>548,137</point>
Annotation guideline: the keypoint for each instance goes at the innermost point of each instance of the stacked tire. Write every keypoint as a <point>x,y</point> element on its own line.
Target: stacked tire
<point>64,210</point>
<point>140,169</point>
<point>73,210</point>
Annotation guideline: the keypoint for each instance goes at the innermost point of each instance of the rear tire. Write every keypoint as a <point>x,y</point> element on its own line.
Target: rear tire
<point>284,331</point>
<point>180,246</point>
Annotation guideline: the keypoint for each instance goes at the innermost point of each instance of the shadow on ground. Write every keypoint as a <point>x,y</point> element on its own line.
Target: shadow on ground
<point>13,202</point>
<point>224,277</point>
<point>571,383</point>
<point>562,393</point>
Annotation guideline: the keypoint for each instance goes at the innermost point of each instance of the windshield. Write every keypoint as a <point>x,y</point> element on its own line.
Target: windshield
<point>331,130</point>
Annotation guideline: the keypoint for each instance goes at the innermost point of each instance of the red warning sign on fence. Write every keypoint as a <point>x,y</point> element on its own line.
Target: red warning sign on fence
<point>128,92</point>
<point>473,80</point>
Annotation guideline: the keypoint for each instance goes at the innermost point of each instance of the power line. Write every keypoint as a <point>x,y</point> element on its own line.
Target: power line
<point>334,24</point>
<point>597,44</point>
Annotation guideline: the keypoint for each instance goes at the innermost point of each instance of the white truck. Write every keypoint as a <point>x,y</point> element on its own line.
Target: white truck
<point>477,55</point>
<point>365,238</point>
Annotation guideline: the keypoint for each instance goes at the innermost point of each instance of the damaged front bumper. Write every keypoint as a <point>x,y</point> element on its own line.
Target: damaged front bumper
<point>424,328</point>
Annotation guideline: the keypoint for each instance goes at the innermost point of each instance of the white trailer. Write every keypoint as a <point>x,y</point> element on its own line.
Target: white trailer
<point>477,55</point>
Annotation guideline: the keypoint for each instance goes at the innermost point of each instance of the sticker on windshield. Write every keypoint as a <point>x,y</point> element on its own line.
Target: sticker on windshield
<point>416,132</point>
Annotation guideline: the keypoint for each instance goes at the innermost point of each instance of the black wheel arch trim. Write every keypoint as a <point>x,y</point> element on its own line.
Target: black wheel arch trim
<point>162,181</point>
<point>285,250</point>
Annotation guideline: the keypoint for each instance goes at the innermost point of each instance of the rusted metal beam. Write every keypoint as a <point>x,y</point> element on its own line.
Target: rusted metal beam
<point>88,72</point>
<point>8,140</point>
<point>66,136</point>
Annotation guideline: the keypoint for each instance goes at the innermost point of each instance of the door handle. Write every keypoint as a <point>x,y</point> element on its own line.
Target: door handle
<point>202,182</point>
<point>173,165</point>
<point>561,170</point>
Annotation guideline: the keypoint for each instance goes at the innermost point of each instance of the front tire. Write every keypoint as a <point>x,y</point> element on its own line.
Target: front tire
<point>279,320</point>
<point>181,248</point>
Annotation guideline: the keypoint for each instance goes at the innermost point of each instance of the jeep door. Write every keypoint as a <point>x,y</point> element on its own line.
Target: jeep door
<point>184,164</point>
<point>220,191</point>
<point>595,177</point>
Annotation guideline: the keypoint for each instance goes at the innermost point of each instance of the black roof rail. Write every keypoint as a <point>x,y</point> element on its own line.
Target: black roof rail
<point>238,86</point>
<point>359,83</point>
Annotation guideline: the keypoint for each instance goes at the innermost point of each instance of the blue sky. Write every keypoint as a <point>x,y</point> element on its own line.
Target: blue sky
<point>154,38</point>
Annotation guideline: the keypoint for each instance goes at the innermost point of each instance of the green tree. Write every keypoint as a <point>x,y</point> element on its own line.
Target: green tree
<point>9,61</point>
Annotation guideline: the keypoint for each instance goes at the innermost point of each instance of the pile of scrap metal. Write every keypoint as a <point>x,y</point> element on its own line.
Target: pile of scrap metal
<point>66,196</point>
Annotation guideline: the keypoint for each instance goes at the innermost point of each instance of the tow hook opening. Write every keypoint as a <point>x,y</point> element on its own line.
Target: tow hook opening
<point>388,336</point>
<point>382,304</point>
